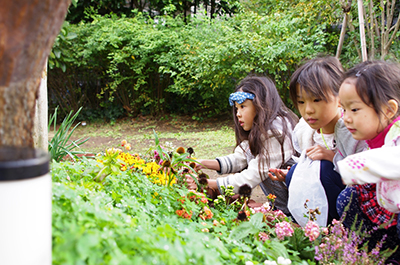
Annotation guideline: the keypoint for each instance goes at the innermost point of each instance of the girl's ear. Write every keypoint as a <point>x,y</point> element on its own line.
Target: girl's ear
<point>392,108</point>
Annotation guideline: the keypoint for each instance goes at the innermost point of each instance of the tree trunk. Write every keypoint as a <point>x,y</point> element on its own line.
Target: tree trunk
<point>371,30</point>
<point>40,127</point>
<point>362,30</point>
<point>28,30</point>
<point>342,35</point>
<point>346,9</point>
<point>388,32</point>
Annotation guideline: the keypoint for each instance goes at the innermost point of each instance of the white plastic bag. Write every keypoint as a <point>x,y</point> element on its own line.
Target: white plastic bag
<point>306,184</point>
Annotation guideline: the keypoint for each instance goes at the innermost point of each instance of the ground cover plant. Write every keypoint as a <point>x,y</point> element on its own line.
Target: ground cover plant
<point>128,208</point>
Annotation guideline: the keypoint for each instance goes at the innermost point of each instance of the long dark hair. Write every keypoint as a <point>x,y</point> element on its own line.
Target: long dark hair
<point>269,106</point>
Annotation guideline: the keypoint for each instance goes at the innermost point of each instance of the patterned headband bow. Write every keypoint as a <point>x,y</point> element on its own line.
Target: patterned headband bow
<point>240,97</point>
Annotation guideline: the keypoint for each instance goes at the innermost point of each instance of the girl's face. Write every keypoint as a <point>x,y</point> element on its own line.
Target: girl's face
<point>245,113</point>
<point>318,113</point>
<point>360,119</point>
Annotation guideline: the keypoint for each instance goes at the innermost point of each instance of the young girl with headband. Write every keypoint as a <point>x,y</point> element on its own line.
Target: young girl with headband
<point>370,97</point>
<point>263,130</point>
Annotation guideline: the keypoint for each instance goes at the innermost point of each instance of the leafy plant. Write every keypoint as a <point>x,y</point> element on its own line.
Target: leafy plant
<point>163,65</point>
<point>129,218</point>
<point>60,145</point>
<point>174,164</point>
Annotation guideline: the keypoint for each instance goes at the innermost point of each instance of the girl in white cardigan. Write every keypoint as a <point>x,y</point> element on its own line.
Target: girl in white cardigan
<point>263,129</point>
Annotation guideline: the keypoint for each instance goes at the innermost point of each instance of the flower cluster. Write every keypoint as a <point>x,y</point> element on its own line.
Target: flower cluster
<point>283,229</point>
<point>271,215</point>
<point>125,144</point>
<point>311,230</point>
<point>263,236</point>
<point>347,247</point>
<point>206,213</point>
<point>125,161</point>
<point>184,214</point>
<point>198,198</point>
<point>129,160</point>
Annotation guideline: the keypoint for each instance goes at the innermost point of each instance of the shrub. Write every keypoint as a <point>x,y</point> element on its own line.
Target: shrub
<point>151,66</point>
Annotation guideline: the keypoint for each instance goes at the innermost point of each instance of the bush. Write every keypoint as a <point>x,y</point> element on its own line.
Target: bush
<point>152,66</point>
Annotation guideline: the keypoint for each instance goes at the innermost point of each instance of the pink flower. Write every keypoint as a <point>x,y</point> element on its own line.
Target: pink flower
<point>283,229</point>
<point>311,230</point>
<point>263,236</point>
<point>261,209</point>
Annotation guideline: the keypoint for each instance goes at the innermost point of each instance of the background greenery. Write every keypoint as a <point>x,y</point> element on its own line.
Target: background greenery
<point>120,60</point>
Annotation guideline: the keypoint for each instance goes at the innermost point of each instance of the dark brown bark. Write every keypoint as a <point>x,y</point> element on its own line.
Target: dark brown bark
<point>27,32</point>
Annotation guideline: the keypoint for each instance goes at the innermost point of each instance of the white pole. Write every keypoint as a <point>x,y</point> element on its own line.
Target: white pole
<point>362,30</point>
<point>25,207</point>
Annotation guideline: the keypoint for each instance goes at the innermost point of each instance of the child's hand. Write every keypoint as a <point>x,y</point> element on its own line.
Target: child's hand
<point>280,174</point>
<point>191,184</point>
<point>318,152</point>
<point>198,167</point>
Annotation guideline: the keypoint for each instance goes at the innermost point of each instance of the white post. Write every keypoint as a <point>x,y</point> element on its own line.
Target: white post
<point>25,207</point>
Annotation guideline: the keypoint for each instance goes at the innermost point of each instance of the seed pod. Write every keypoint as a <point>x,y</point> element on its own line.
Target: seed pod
<point>166,163</point>
<point>245,190</point>
<point>190,150</point>
<point>242,215</point>
<point>203,175</point>
<point>180,150</point>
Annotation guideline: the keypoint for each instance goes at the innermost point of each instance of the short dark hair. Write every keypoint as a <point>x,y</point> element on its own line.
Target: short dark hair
<point>320,77</point>
<point>376,83</point>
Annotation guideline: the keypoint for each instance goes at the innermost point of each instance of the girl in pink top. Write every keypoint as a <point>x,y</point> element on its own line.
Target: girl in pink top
<point>370,96</point>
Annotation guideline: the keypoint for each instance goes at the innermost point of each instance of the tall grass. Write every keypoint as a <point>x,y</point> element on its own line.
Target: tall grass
<point>60,145</point>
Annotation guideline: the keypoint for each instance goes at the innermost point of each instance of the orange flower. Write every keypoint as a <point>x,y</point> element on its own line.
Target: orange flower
<point>180,212</point>
<point>188,216</point>
<point>123,142</point>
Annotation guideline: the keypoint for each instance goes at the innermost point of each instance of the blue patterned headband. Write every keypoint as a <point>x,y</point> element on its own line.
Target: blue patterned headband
<point>240,97</point>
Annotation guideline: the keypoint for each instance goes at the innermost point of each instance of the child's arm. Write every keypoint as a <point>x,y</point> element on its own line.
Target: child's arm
<point>371,166</point>
<point>208,164</point>
<point>253,174</point>
<point>318,152</point>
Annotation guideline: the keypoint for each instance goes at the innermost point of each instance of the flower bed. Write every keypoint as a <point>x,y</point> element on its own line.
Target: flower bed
<point>125,208</point>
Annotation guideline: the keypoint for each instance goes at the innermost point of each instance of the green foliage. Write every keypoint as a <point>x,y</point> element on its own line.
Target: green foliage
<point>125,221</point>
<point>151,66</point>
<point>60,145</point>
<point>83,10</point>
<point>59,55</point>
<point>146,64</point>
<point>129,219</point>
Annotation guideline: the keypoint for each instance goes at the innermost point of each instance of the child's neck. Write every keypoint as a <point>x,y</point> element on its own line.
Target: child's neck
<point>330,127</point>
<point>379,140</point>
